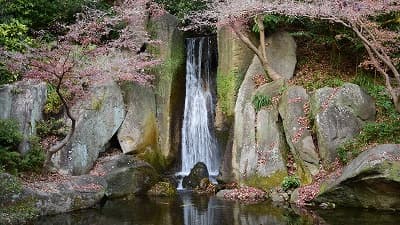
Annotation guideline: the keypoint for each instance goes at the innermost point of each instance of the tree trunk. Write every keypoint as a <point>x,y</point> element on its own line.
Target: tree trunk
<point>57,147</point>
<point>261,54</point>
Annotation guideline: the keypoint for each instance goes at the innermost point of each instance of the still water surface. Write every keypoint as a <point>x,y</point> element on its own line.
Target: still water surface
<point>191,209</point>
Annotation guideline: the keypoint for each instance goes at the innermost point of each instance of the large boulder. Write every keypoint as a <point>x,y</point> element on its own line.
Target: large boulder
<point>24,102</point>
<point>113,176</point>
<point>258,139</point>
<point>75,193</point>
<point>197,173</point>
<point>126,175</point>
<point>281,53</point>
<point>98,119</point>
<point>339,116</point>
<point>372,180</point>
<point>234,58</point>
<point>138,132</point>
<point>244,133</point>
<point>47,197</point>
<point>294,108</point>
<point>169,83</point>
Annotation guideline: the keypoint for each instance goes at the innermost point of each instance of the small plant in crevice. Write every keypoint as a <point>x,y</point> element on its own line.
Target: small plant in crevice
<point>290,182</point>
<point>259,101</point>
<point>51,127</point>
<point>53,104</point>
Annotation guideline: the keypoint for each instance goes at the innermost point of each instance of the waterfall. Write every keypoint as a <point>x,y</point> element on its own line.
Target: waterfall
<point>198,138</point>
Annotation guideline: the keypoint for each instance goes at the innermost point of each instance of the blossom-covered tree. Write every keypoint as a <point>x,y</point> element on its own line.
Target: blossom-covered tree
<point>358,15</point>
<point>100,46</point>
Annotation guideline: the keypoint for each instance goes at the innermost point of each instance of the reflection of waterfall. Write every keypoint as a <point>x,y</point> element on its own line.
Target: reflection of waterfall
<point>196,214</point>
<point>198,139</point>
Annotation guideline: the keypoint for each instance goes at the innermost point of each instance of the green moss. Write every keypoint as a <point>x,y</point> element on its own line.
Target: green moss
<point>266,183</point>
<point>155,158</point>
<point>227,88</point>
<point>164,189</point>
<point>19,212</point>
<point>9,185</point>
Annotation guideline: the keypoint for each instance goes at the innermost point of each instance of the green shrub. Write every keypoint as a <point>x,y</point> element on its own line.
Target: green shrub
<point>10,136</point>
<point>290,182</point>
<point>14,36</point>
<point>53,104</point>
<point>34,159</point>
<point>10,159</point>
<point>260,101</point>
<point>180,8</point>
<point>7,77</point>
<point>40,14</point>
<point>51,126</point>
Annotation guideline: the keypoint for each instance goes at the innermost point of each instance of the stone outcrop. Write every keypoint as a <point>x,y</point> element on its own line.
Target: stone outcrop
<point>98,119</point>
<point>339,115</point>
<point>138,132</point>
<point>126,175</point>
<point>372,180</point>
<point>113,176</point>
<point>294,108</point>
<point>258,140</point>
<point>24,102</point>
<point>152,126</point>
<point>281,53</point>
<point>234,58</point>
<point>170,83</point>
<point>197,173</point>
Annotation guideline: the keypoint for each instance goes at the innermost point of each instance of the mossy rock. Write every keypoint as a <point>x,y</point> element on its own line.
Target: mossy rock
<point>163,189</point>
<point>266,183</point>
<point>16,206</point>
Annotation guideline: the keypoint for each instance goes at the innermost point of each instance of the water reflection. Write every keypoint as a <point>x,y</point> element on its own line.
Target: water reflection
<point>190,209</point>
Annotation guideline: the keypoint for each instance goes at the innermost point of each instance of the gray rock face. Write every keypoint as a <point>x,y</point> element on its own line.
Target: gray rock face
<point>258,138</point>
<point>138,132</point>
<point>294,108</point>
<point>244,133</point>
<point>281,53</point>
<point>98,119</point>
<point>170,83</point>
<point>24,102</point>
<point>197,173</point>
<point>372,180</point>
<point>339,115</point>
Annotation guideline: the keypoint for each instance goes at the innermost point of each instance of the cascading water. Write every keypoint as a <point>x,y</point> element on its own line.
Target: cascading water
<point>198,139</point>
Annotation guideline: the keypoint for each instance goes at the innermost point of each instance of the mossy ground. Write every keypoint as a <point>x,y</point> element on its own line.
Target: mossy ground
<point>266,183</point>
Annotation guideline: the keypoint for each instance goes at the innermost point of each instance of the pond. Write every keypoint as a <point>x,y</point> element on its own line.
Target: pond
<point>191,209</point>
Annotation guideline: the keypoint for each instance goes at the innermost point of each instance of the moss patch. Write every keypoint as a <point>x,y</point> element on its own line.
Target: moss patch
<point>227,88</point>
<point>19,212</point>
<point>155,158</point>
<point>266,183</point>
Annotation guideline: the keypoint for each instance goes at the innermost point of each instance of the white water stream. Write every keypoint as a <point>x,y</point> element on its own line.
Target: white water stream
<point>198,139</point>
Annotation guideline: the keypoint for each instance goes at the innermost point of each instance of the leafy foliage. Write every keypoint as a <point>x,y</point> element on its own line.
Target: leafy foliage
<point>7,77</point>
<point>10,159</point>
<point>180,8</point>
<point>40,14</point>
<point>14,36</point>
<point>9,133</point>
<point>51,126</point>
<point>290,182</point>
<point>53,104</point>
<point>260,101</point>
